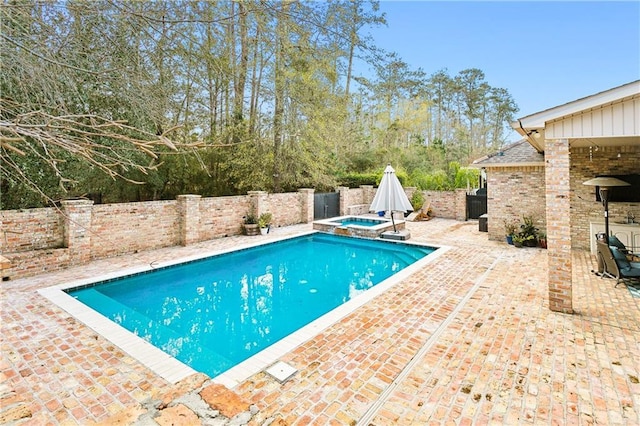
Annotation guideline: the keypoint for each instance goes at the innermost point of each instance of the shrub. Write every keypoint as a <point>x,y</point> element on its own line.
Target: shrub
<point>354,180</point>
<point>417,200</point>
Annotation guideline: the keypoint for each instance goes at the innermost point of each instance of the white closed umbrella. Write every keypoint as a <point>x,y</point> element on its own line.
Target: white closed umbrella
<point>390,196</point>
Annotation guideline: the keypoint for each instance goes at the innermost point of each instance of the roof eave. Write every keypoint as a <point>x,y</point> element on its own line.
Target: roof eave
<point>539,119</point>
<point>523,164</point>
<point>534,124</point>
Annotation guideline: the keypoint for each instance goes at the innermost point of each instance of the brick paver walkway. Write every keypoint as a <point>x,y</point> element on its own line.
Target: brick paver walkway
<point>468,339</point>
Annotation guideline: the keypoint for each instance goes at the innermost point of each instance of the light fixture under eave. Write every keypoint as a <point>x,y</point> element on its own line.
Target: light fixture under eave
<point>605,183</point>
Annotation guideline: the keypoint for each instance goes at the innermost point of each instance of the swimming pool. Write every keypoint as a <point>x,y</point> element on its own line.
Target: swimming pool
<point>262,294</point>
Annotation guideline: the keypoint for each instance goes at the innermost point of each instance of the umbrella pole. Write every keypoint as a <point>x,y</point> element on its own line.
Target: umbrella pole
<point>394,222</point>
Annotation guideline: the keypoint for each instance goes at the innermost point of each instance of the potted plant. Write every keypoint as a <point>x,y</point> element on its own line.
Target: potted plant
<point>509,230</point>
<point>250,225</point>
<point>542,240</point>
<point>517,240</point>
<point>528,232</point>
<point>264,221</point>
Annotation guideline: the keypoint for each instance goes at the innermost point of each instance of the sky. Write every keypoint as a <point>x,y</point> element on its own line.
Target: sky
<point>544,53</point>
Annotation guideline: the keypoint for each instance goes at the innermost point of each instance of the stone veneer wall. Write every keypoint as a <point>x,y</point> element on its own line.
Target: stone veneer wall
<point>586,164</point>
<point>514,192</point>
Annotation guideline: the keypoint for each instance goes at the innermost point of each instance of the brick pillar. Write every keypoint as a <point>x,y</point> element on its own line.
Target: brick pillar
<point>77,229</point>
<point>558,212</point>
<point>258,202</point>
<point>367,194</point>
<point>306,204</point>
<point>461,204</point>
<point>344,194</point>
<point>189,218</point>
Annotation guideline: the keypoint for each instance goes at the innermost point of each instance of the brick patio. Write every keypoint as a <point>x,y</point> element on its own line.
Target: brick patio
<point>468,339</point>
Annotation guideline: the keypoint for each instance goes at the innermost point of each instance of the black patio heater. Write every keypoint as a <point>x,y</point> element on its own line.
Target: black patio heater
<point>605,183</point>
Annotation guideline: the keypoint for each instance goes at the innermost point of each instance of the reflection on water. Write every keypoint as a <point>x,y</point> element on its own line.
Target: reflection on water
<point>215,313</point>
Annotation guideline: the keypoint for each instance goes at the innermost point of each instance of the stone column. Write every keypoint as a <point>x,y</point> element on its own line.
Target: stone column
<point>344,195</point>
<point>189,218</point>
<point>77,229</point>
<point>306,204</point>
<point>558,213</point>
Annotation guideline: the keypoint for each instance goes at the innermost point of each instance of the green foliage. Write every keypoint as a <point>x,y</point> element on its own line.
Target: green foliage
<point>417,200</point>
<point>160,65</point>
<point>510,227</point>
<point>467,176</point>
<point>439,180</point>
<point>250,218</point>
<point>354,180</point>
<point>528,230</point>
<point>264,220</point>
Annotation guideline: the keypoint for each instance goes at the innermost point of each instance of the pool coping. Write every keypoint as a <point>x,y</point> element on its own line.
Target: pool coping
<point>173,370</point>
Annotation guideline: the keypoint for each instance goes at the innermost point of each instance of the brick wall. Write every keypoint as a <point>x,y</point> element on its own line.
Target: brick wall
<point>32,229</point>
<point>513,192</point>
<point>131,227</point>
<point>286,209</point>
<point>586,164</point>
<point>445,204</point>
<point>41,240</point>
<point>28,263</point>
<point>222,216</point>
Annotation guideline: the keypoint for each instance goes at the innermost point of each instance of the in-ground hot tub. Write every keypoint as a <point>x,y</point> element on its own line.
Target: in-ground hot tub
<point>357,226</point>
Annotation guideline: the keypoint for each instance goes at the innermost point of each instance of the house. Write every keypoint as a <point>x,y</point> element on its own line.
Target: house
<point>542,176</point>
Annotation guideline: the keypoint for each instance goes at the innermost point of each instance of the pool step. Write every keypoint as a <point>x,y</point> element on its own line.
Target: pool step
<point>137,323</point>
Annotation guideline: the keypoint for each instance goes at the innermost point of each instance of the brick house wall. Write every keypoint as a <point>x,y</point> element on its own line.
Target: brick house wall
<point>513,192</point>
<point>586,164</point>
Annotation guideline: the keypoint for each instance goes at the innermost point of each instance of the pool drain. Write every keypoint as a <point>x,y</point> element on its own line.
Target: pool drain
<point>281,371</point>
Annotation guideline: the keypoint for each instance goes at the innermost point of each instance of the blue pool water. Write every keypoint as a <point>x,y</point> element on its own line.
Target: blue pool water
<point>360,221</point>
<point>214,313</point>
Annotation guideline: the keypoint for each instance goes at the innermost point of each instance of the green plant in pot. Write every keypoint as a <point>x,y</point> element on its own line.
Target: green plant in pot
<point>510,227</point>
<point>250,225</point>
<point>542,240</point>
<point>264,221</point>
<point>517,240</point>
<point>528,232</point>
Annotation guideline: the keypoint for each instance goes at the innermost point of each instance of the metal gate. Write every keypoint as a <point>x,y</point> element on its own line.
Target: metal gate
<point>326,204</point>
<point>476,206</point>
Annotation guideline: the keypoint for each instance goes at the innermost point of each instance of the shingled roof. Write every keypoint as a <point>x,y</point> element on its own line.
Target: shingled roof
<point>517,154</point>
